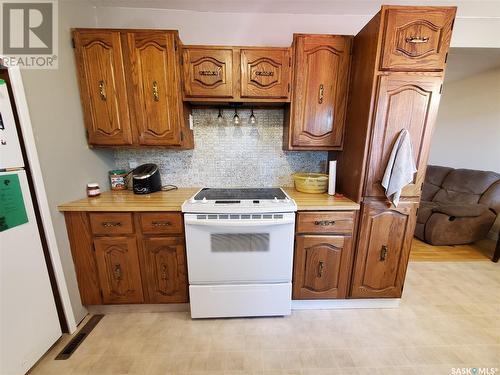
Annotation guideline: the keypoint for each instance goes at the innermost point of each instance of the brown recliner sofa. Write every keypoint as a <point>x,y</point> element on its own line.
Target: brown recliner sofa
<point>458,206</point>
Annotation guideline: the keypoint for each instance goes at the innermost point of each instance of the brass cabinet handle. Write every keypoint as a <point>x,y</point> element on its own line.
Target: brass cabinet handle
<point>383,253</point>
<point>110,224</point>
<point>321,93</point>
<point>161,223</point>
<point>320,268</point>
<point>156,96</point>
<point>324,223</point>
<point>163,272</point>
<point>117,272</point>
<point>102,90</point>
<point>417,39</point>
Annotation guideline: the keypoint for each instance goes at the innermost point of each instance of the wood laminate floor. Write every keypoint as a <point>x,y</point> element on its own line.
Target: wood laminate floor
<point>481,250</point>
<point>448,320</point>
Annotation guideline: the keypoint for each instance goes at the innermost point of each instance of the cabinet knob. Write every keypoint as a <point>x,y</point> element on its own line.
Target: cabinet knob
<point>117,272</point>
<point>161,223</point>
<point>324,223</point>
<point>110,224</point>
<point>320,268</point>
<point>383,253</point>
<point>102,90</point>
<point>321,93</point>
<point>164,272</point>
<point>417,39</point>
<point>156,96</point>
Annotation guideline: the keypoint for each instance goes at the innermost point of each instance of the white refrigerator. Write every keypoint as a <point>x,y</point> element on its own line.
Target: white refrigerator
<point>29,323</point>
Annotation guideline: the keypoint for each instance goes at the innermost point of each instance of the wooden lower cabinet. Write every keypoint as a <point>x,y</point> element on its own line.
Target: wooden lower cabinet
<point>383,248</point>
<point>126,257</point>
<point>322,265</point>
<point>165,269</point>
<point>118,269</point>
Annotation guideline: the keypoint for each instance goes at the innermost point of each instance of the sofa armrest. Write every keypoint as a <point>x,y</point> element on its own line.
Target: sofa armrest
<point>461,210</point>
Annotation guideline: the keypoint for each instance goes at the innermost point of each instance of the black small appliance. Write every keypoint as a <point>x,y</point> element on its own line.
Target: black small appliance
<point>146,179</point>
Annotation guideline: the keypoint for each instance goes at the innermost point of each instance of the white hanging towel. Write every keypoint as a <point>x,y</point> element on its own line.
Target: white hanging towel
<point>400,167</point>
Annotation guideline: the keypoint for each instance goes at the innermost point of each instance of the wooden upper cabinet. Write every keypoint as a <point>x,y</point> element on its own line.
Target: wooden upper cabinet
<point>321,266</point>
<point>118,269</point>
<point>383,249</point>
<point>165,269</point>
<point>155,87</point>
<point>208,72</point>
<point>265,73</point>
<point>409,102</point>
<point>102,87</point>
<point>416,38</point>
<point>319,98</point>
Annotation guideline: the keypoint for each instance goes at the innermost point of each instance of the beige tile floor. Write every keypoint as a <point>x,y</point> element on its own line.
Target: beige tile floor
<point>449,318</point>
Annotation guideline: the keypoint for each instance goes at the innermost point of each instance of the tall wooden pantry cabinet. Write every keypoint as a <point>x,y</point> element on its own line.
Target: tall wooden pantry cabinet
<point>397,71</point>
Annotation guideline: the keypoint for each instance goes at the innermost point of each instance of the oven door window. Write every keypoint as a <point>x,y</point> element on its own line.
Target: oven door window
<point>239,242</point>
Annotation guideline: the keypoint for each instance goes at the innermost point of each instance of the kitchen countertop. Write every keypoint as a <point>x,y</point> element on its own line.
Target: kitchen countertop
<point>172,201</point>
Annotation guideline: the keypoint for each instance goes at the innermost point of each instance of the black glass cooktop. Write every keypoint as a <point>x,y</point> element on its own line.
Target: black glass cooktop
<point>240,194</point>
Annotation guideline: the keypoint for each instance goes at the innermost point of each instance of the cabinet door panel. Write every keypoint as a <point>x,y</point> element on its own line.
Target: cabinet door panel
<point>321,266</point>
<point>404,102</point>
<point>208,72</point>
<point>165,269</point>
<point>320,91</point>
<point>156,83</point>
<point>383,249</point>
<point>417,39</point>
<point>102,87</point>
<point>265,73</point>
<point>118,268</point>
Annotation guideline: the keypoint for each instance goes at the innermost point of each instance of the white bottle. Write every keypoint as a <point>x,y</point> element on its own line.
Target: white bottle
<point>332,174</point>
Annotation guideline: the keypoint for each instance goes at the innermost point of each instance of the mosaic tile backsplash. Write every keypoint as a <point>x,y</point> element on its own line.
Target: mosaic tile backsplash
<point>228,155</point>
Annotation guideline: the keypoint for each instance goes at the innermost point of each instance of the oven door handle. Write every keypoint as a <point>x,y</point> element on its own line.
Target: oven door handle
<point>239,222</point>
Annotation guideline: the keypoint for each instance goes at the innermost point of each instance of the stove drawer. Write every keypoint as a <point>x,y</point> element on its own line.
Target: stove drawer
<point>214,301</point>
<point>341,222</point>
<point>161,223</point>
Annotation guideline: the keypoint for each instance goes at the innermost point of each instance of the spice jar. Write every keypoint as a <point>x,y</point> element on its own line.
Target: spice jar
<point>93,189</point>
<point>118,179</point>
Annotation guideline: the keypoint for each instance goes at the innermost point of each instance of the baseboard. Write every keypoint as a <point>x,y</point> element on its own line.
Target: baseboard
<point>139,308</point>
<point>324,304</point>
<point>328,304</point>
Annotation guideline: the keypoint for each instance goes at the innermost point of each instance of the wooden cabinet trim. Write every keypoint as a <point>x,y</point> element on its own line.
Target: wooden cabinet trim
<point>82,251</point>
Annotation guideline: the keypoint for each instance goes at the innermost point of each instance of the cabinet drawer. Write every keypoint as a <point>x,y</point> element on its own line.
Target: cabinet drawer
<point>325,222</point>
<point>111,223</point>
<point>161,223</point>
<point>416,38</point>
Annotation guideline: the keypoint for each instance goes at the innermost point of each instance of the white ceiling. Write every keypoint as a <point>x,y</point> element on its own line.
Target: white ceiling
<point>466,8</point>
<point>466,62</point>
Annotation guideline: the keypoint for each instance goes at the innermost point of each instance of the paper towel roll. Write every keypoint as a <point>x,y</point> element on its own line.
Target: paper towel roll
<point>332,174</point>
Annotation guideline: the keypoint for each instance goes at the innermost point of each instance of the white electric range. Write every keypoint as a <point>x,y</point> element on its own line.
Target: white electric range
<point>239,245</point>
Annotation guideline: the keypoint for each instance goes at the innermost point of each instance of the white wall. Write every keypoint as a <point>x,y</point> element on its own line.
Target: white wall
<point>276,29</point>
<point>467,133</point>
<point>67,162</point>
